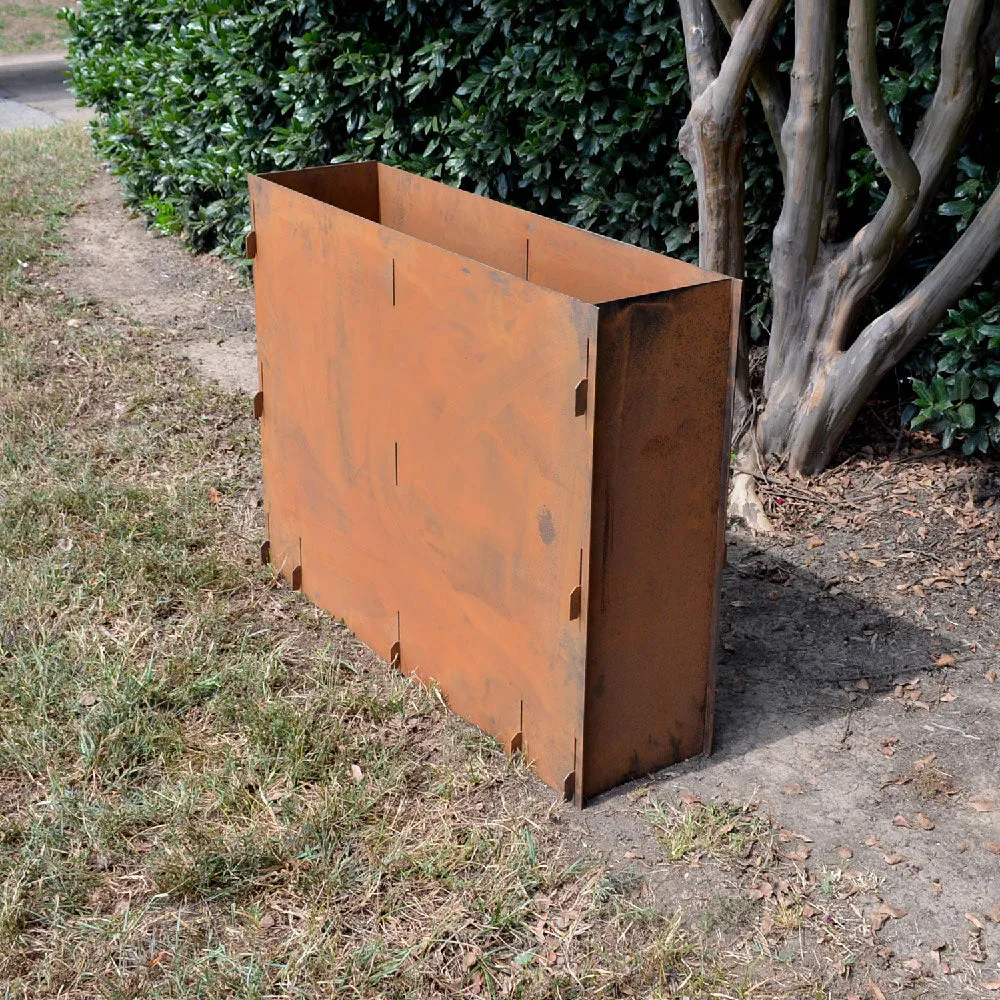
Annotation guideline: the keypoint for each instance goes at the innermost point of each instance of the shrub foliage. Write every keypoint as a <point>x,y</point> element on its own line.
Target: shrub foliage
<point>570,108</point>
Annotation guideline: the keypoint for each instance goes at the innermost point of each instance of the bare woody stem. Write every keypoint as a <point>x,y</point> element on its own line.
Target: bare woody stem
<point>712,137</point>
<point>966,52</point>
<point>875,122</point>
<point>805,137</point>
<point>851,375</point>
<point>701,46</point>
<point>766,81</point>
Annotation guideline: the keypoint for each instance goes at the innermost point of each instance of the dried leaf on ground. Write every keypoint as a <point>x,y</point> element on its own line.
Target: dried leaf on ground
<point>883,913</point>
<point>983,804</point>
<point>924,821</point>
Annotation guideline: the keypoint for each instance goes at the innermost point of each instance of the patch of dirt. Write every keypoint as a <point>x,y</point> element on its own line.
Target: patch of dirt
<point>122,267</point>
<point>858,694</point>
<point>857,705</point>
<point>30,26</point>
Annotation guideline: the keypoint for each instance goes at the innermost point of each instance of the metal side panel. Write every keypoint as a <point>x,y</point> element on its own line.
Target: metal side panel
<point>425,463</point>
<point>664,372</point>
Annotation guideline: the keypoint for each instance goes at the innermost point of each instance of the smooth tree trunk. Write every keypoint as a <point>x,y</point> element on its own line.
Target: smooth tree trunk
<point>820,368</point>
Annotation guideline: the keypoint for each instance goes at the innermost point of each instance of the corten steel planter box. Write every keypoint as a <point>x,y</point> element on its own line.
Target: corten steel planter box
<point>497,447</point>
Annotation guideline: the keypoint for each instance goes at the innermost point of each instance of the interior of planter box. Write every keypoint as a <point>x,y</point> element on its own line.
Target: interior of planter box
<point>567,260</point>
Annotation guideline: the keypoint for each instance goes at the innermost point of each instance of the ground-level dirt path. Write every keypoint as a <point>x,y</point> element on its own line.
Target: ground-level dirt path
<point>116,262</point>
<point>858,700</point>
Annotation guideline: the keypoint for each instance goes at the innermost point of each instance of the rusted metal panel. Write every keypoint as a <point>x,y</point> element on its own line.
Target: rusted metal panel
<point>664,380</point>
<point>430,462</point>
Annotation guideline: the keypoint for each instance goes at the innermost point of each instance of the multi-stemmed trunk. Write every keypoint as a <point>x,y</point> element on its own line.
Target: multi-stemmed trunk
<point>820,368</point>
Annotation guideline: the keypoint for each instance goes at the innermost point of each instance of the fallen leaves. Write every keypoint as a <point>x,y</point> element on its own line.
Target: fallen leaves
<point>993,848</point>
<point>894,859</point>
<point>357,774</point>
<point>901,821</point>
<point>945,660</point>
<point>924,821</point>
<point>983,803</point>
<point>801,853</point>
<point>793,790</point>
<point>888,746</point>
<point>882,914</point>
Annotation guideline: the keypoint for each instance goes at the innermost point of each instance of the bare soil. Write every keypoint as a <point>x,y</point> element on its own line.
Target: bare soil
<point>31,26</point>
<point>200,302</point>
<point>858,697</point>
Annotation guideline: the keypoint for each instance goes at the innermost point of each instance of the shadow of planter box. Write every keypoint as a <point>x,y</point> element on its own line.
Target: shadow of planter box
<point>497,447</point>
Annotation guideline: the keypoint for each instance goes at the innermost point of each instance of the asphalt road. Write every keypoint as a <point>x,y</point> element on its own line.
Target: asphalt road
<point>33,92</point>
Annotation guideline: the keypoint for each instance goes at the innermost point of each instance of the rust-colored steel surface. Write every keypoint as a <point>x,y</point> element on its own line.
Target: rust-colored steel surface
<point>496,446</point>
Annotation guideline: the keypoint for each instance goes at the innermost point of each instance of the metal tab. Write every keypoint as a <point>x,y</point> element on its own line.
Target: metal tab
<point>258,404</point>
<point>251,247</point>
<point>569,786</point>
<point>581,397</point>
<point>516,743</point>
<point>575,601</point>
<point>265,552</point>
<point>394,655</point>
<point>297,578</point>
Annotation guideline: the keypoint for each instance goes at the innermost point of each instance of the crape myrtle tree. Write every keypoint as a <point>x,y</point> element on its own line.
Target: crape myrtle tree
<point>822,361</point>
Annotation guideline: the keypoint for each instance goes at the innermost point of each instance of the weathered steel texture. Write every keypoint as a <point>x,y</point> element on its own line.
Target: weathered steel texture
<point>453,388</point>
<point>664,377</point>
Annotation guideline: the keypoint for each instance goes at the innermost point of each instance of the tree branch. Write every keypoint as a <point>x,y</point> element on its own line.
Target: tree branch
<point>805,137</point>
<point>873,115</point>
<point>879,236</point>
<point>834,154</point>
<point>964,70</point>
<point>765,79</point>
<point>701,46</point>
<point>851,375</point>
<point>749,39</point>
<point>888,339</point>
<point>711,139</point>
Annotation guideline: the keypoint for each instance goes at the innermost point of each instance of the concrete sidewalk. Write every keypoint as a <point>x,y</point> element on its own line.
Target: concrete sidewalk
<point>33,92</point>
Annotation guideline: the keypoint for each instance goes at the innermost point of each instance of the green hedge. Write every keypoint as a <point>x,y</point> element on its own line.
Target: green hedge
<point>568,109</point>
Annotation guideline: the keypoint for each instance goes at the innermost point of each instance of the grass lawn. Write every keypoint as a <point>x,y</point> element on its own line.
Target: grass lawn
<point>30,26</point>
<point>208,788</point>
